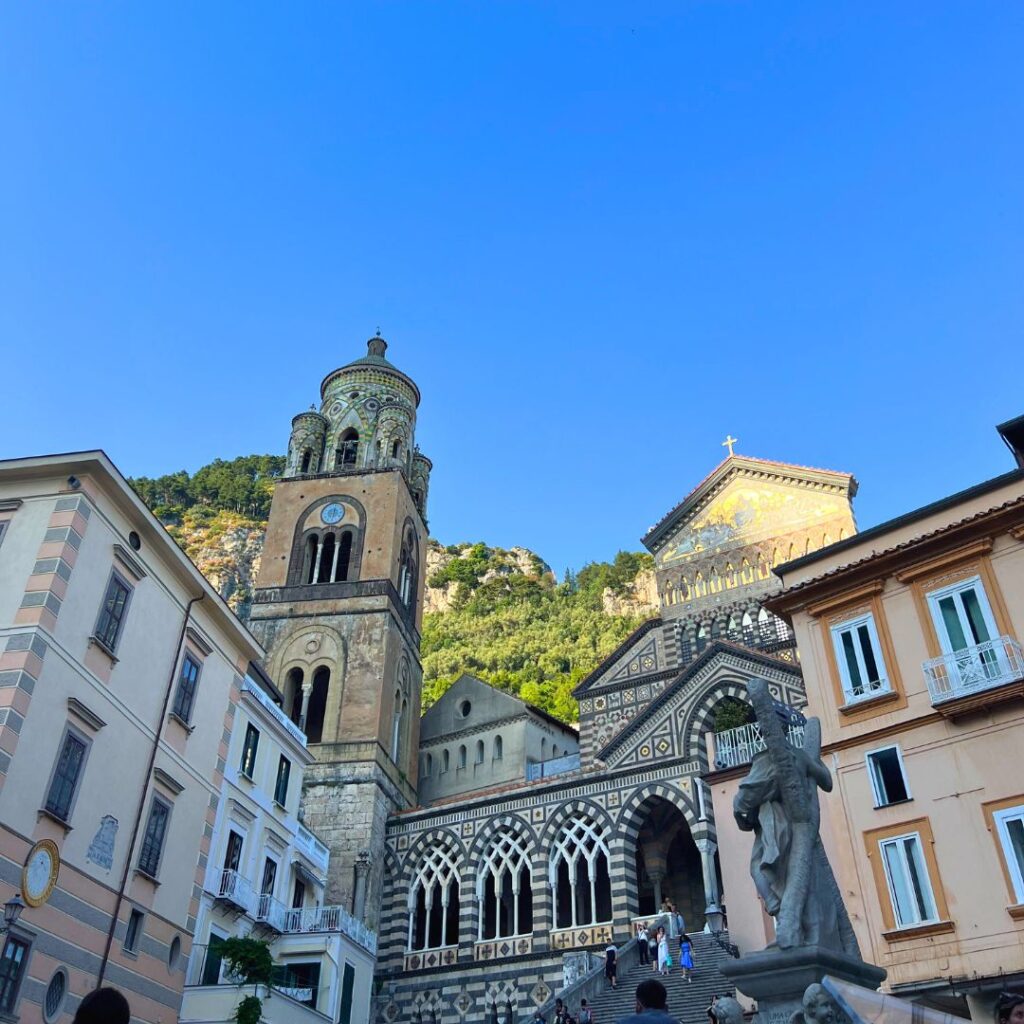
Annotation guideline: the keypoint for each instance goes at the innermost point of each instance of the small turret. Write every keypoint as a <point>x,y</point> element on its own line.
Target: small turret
<point>306,444</point>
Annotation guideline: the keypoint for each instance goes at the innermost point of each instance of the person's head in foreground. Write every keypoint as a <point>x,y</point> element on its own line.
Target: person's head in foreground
<point>651,995</point>
<point>1010,1008</point>
<point>103,1006</point>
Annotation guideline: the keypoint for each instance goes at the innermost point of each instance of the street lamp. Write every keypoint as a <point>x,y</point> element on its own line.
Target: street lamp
<point>12,911</point>
<point>715,918</point>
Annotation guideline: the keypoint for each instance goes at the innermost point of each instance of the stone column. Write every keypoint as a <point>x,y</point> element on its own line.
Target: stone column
<point>707,850</point>
<point>362,867</point>
<point>307,689</point>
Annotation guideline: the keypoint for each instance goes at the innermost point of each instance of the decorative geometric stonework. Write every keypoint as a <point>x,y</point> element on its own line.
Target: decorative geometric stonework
<point>540,993</point>
<point>462,1003</point>
<point>613,798</point>
<point>403,842</point>
<point>586,706</point>
<point>577,938</point>
<point>431,958</point>
<point>391,1011</point>
<point>599,703</point>
<point>468,829</point>
<point>537,814</point>
<point>502,949</point>
<point>645,751</point>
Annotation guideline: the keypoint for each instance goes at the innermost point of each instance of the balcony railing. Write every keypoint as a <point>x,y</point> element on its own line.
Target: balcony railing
<point>329,919</point>
<point>248,686</point>
<point>271,912</point>
<point>974,669</point>
<point>553,766</point>
<point>738,746</point>
<point>236,889</point>
<point>313,848</point>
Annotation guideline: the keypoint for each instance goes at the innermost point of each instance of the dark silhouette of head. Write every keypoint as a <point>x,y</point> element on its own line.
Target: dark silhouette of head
<point>651,995</point>
<point>103,1006</point>
<point>1009,1005</point>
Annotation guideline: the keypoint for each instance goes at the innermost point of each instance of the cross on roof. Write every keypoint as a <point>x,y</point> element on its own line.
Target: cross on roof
<point>729,442</point>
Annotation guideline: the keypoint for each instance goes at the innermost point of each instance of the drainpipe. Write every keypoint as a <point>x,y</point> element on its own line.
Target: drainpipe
<point>140,810</point>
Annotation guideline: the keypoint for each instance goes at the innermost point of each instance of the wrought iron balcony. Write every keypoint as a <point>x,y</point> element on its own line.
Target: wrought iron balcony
<point>271,912</point>
<point>975,676</point>
<point>738,746</point>
<point>329,919</point>
<point>236,889</point>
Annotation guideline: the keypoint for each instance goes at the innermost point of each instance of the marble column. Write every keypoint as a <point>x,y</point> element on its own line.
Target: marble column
<point>707,849</point>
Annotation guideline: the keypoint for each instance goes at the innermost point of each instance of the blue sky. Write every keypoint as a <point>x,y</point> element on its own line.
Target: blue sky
<point>601,236</point>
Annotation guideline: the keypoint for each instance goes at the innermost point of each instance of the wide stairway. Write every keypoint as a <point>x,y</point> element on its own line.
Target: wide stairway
<point>687,1002</point>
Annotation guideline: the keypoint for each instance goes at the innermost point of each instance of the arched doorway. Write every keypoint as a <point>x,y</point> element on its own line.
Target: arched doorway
<point>668,863</point>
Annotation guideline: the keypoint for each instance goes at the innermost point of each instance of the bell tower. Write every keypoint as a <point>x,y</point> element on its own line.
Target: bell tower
<point>338,606</point>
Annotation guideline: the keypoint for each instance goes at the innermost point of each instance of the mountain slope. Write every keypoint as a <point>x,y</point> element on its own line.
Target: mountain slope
<point>499,614</point>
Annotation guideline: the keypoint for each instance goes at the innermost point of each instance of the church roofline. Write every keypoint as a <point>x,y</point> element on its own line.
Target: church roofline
<point>664,527</point>
<point>642,630</point>
<point>374,360</point>
<point>715,648</point>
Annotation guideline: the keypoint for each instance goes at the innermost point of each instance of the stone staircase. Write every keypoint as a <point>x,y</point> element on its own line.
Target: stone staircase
<point>687,1002</point>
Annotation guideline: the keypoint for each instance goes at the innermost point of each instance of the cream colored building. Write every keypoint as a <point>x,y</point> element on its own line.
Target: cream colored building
<point>119,671</point>
<point>266,878</point>
<point>909,638</point>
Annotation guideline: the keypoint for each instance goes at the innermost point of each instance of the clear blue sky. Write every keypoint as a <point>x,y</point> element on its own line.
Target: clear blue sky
<point>599,238</point>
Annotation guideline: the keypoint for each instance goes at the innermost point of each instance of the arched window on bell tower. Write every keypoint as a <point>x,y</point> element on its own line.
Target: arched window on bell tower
<point>347,452</point>
<point>317,705</point>
<point>307,458</point>
<point>407,569</point>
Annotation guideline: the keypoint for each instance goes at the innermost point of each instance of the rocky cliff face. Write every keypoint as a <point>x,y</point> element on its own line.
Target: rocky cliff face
<point>639,598</point>
<point>226,548</point>
<point>439,597</point>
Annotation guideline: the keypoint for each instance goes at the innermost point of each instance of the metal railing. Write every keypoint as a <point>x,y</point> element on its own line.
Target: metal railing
<point>236,889</point>
<point>271,912</point>
<point>329,919</point>
<point>248,686</point>
<point>312,847</point>
<point>553,766</point>
<point>738,746</point>
<point>974,669</point>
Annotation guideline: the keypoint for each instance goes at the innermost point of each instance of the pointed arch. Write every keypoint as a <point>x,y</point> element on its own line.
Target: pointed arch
<point>433,902</point>
<point>578,872</point>
<point>346,454</point>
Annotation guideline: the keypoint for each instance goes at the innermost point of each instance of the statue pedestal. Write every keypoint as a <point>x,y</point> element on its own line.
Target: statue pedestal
<point>778,978</point>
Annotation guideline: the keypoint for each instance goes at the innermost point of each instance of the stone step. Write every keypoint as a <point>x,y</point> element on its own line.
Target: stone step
<point>687,1001</point>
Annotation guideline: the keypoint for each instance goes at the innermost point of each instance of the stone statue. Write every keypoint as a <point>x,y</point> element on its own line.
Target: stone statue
<point>727,1010</point>
<point>818,1008</point>
<point>778,802</point>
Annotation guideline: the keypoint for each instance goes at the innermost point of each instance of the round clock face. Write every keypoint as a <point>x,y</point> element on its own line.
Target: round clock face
<point>332,513</point>
<point>40,873</point>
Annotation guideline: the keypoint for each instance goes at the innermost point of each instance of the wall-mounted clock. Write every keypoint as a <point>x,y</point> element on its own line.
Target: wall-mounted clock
<point>39,875</point>
<point>333,513</point>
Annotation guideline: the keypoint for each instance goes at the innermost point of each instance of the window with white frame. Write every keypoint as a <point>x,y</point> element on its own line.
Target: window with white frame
<point>1009,824</point>
<point>906,872</point>
<point>434,899</point>
<point>578,873</point>
<point>859,658</point>
<point>504,888</point>
<point>962,615</point>
<point>888,776</point>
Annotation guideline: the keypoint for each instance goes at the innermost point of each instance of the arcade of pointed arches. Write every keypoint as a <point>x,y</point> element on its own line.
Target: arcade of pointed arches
<point>576,863</point>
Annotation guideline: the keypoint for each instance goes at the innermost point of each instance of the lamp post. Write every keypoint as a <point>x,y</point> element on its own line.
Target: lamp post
<point>12,911</point>
<point>714,917</point>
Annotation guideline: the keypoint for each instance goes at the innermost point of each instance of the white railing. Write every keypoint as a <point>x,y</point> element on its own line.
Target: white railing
<point>271,912</point>
<point>553,766</point>
<point>974,669</point>
<point>329,919</point>
<point>738,746</point>
<point>313,848</point>
<point>237,889</point>
<point>248,686</point>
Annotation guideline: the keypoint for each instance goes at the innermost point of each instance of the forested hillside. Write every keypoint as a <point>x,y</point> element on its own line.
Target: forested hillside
<point>498,614</point>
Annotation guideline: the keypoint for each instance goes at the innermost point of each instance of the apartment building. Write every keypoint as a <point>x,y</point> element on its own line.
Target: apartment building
<point>119,671</point>
<point>266,878</point>
<point>910,641</point>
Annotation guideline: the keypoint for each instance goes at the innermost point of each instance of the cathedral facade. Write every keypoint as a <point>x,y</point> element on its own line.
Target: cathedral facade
<point>486,842</point>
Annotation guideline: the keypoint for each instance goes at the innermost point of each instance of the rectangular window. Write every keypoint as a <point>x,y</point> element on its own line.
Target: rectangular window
<point>347,985</point>
<point>298,980</point>
<point>910,889</point>
<point>252,742</point>
<point>213,960</point>
<point>966,628</point>
<point>115,604</point>
<point>269,877</point>
<point>1010,827</point>
<point>284,770</point>
<point>66,776</point>
<point>12,970</point>
<point>233,854</point>
<point>153,840</point>
<point>299,894</point>
<point>185,697</point>
<point>859,657</point>
<point>3,530</point>
<point>134,931</point>
<point>888,779</point>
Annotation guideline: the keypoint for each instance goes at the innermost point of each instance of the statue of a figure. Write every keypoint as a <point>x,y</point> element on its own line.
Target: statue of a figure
<point>818,1008</point>
<point>726,1010</point>
<point>778,802</point>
